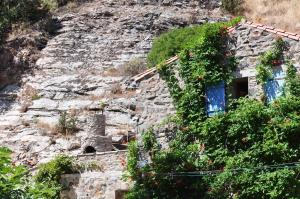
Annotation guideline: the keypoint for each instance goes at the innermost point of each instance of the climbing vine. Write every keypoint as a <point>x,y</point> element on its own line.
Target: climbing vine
<point>225,156</point>
<point>292,80</point>
<point>270,59</point>
<point>207,63</point>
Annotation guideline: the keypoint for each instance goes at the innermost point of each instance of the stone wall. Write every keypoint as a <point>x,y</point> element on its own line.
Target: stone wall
<point>249,43</point>
<point>104,184</point>
<point>79,67</point>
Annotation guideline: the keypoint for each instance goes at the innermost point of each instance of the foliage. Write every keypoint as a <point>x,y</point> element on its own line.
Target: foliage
<point>174,41</point>
<point>233,6</point>
<point>67,123</point>
<point>49,175</point>
<point>269,59</point>
<point>12,11</point>
<point>31,11</point>
<point>12,178</point>
<point>149,140</point>
<point>292,81</point>
<point>16,183</point>
<point>132,162</point>
<point>207,63</point>
<point>231,149</point>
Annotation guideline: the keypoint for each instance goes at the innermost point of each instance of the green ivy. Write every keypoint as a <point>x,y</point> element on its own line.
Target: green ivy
<point>249,135</point>
<point>149,140</point>
<point>292,80</point>
<point>269,59</point>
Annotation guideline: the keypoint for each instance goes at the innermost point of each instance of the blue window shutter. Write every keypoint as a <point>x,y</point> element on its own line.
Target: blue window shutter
<point>215,99</point>
<point>274,88</point>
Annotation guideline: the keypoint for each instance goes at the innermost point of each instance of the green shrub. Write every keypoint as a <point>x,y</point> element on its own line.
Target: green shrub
<point>149,140</point>
<point>292,81</point>
<point>53,170</point>
<point>12,178</point>
<point>13,11</point>
<point>171,43</point>
<point>132,162</point>
<point>268,59</point>
<point>47,179</point>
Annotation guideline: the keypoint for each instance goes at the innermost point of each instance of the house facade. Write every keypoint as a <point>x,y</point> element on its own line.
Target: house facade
<point>248,42</point>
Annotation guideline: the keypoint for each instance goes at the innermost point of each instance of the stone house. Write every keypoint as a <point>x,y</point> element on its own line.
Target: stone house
<point>247,42</point>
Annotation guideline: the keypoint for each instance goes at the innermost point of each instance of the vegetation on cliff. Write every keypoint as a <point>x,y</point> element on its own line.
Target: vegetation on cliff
<point>17,183</point>
<point>250,150</point>
<point>26,11</point>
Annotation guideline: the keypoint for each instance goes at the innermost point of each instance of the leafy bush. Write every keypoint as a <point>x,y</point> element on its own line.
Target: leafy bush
<point>292,81</point>
<point>15,11</point>
<point>46,181</point>
<point>269,59</point>
<point>170,43</point>
<point>13,178</point>
<point>149,140</point>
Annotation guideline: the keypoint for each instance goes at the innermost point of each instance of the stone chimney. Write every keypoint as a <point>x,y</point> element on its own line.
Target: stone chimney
<point>96,140</point>
<point>97,125</point>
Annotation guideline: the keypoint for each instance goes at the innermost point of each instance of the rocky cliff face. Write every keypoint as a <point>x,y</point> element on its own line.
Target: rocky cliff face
<point>79,67</point>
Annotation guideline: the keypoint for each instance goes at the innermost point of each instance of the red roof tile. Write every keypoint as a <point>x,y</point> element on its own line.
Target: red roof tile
<point>282,34</point>
<point>294,37</point>
<point>290,33</point>
<point>279,30</point>
<point>270,27</point>
<point>269,30</point>
<point>262,28</point>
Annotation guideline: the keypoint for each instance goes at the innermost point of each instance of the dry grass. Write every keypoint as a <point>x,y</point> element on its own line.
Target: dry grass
<point>20,29</point>
<point>282,14</point>
<point>47,128</point>
<point>133,67</point>
<point>28,94</point>
<point>116,89</point>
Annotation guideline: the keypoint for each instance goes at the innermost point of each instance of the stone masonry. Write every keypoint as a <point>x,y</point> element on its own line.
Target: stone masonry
<point>79,67</point>
<point>96,140</point>
<point>104,184</point>
<point>249,43</point>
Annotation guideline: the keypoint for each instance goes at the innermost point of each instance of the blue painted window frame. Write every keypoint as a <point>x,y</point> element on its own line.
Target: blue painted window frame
<point>215,96</point>
<point>274,87</point>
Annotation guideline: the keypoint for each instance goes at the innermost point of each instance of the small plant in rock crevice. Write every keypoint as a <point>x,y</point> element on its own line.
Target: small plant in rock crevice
<point>133,67</point>
<point>67,123</point>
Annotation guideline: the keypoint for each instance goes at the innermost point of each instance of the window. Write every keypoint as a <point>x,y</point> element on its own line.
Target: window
<point>215,99</point>
<point>274,88</point>
<point>240,87</point>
